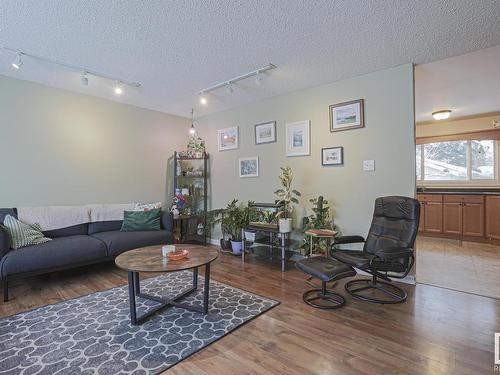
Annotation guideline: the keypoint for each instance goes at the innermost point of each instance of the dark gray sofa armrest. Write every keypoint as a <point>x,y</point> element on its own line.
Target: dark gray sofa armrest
<point>167,221</point>
<point>5,241</point>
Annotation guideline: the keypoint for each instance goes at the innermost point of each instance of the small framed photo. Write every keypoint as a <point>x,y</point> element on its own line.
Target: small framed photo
<point>265,132</point>
<point>348,115</point>
<point>249,167</point>
<point>227,139</point>
<point>332,156</point>
<point>298,138</point>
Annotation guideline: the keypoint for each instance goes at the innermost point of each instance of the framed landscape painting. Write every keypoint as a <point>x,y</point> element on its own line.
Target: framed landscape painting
<point>348,115</point>
<point>332,156</point>
<point>227,139</point>
<point>249,167</point>
<point>298,138</point>
<point>265,133</point>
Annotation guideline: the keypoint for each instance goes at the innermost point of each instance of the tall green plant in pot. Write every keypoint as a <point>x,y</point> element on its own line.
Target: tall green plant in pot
<point>234,219</point>
<point>289,197</point>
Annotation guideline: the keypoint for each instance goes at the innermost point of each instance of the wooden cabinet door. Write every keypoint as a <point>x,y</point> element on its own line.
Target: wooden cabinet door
<point>473,215</point>
<point>433,217</point>
<point>452,218</point>
<point>493,217</point>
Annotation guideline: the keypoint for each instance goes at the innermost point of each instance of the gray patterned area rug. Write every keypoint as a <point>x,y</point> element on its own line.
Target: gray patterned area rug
<point>93,334</point>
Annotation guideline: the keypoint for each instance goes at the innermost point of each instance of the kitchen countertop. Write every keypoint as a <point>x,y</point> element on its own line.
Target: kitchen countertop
<point>466,191</point>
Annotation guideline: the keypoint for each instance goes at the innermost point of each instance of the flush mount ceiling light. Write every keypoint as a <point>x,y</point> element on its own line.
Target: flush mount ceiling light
<point>441,115</point>
<point>118,88</point>
<point>18,62</point>
<point>228,84</point>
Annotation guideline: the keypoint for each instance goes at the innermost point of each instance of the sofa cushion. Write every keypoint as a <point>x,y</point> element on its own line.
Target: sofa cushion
<point>105,226</point>
<point>58,253</point>
<point>22,235</point>
<point>117,242</point>
<point>141,220</point>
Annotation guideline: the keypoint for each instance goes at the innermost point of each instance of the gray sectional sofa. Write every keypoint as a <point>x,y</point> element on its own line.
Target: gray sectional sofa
<point>73,246</point>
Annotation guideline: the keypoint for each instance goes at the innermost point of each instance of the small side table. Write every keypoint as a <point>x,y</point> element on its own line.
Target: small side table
<point>319,233</point>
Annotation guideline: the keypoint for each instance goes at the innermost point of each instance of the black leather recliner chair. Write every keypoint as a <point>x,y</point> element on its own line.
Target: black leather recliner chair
<point>387,252</point>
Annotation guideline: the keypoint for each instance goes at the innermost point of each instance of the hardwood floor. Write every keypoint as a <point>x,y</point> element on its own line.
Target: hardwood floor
<point>437,331</point>
<point>465,266</point>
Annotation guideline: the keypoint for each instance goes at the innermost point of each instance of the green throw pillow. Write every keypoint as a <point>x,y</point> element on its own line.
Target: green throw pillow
<point>23,235</point>
<point>141,220</point>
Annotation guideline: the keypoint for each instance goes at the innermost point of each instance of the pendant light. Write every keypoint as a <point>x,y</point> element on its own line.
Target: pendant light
<point>192,129</point>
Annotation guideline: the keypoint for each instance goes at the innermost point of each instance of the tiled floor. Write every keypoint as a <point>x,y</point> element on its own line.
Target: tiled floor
<point>468,266</point>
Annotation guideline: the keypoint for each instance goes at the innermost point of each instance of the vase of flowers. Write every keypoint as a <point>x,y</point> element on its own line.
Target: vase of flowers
<point>196,146</point>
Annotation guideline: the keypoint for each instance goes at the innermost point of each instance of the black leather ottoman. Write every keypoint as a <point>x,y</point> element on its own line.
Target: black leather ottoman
<point>325,270</point>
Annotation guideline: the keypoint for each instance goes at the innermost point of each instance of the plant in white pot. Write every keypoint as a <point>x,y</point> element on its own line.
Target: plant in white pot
<point>234,219</point>
<point>289,197</point>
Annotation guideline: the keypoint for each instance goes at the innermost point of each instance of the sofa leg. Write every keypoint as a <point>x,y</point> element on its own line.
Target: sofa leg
<point>5,291</point>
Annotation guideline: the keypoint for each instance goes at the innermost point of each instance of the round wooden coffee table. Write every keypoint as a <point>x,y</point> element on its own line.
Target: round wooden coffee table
<point>150,259</point>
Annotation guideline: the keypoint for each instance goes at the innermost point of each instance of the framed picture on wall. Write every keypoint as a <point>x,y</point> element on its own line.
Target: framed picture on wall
<point>298,138</point>
<point>265,132</point>
<point>227,139</point>
<point>332,156</point>
<point>348,115</point>
<point>249,167</point>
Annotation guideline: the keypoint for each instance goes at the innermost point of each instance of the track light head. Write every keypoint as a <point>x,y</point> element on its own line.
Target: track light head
<point>18,62</point>
<point>258,79</point>
<point>118,88</point>
<point>203,99</point>
<point>84,79</point>
<point>229,88</point>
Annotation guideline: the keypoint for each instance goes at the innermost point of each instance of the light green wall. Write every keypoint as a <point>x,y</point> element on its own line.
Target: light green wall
<point>388,138</point>
<point>62,148</point>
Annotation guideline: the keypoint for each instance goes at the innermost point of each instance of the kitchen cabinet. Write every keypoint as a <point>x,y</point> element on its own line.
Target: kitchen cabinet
<point>493,217</point>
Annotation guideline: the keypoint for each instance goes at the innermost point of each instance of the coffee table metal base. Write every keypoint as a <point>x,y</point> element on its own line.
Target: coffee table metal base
<point>134,290</point>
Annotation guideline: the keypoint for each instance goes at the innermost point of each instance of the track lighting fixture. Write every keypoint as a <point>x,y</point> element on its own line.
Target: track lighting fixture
<point>203,99</point>
<point>118,88</point>
<point>258,79</point>
<point>228,85</point>
<point>192,129</point>
<point>84,79</point>
<point>18,62</point>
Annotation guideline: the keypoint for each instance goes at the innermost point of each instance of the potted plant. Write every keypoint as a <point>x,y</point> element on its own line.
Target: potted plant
<point>234,219</point>
<point>289,197</point>
<point>196,146</point>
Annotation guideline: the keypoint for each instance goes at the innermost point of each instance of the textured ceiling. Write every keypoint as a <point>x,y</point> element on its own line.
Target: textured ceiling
<point>467,84</point>
<point>175,48</point>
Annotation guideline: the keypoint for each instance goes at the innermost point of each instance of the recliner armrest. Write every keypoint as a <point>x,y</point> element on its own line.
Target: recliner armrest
<point>5,241</point>
<point>347,239</point>
<point>394,252</point>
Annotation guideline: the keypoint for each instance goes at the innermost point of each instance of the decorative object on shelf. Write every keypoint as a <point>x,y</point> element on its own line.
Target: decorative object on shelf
<point>227,139</point>
<point>249,167</point>
<point>195,147</point>
<point>288,196</point>
<point>298,138</point>
<point>332,156</point>
<point>347,115</point>
<point>234,219</point>
<point>318,225</point>
<point>264,215</point>
<point>191,195</point>
<point>265,133</point>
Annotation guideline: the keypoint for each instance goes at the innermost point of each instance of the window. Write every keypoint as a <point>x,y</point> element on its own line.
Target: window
<point>456,161</point>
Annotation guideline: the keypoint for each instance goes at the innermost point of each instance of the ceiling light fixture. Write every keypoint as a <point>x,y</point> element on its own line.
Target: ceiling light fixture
<point>118,88</point>
<point>84,80</point>
<point>229,88</point>
<point>18,62</point>
<point>203,99</point>
<point>258,78</point>
<point>441,115</point>
<point>192,129</point>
